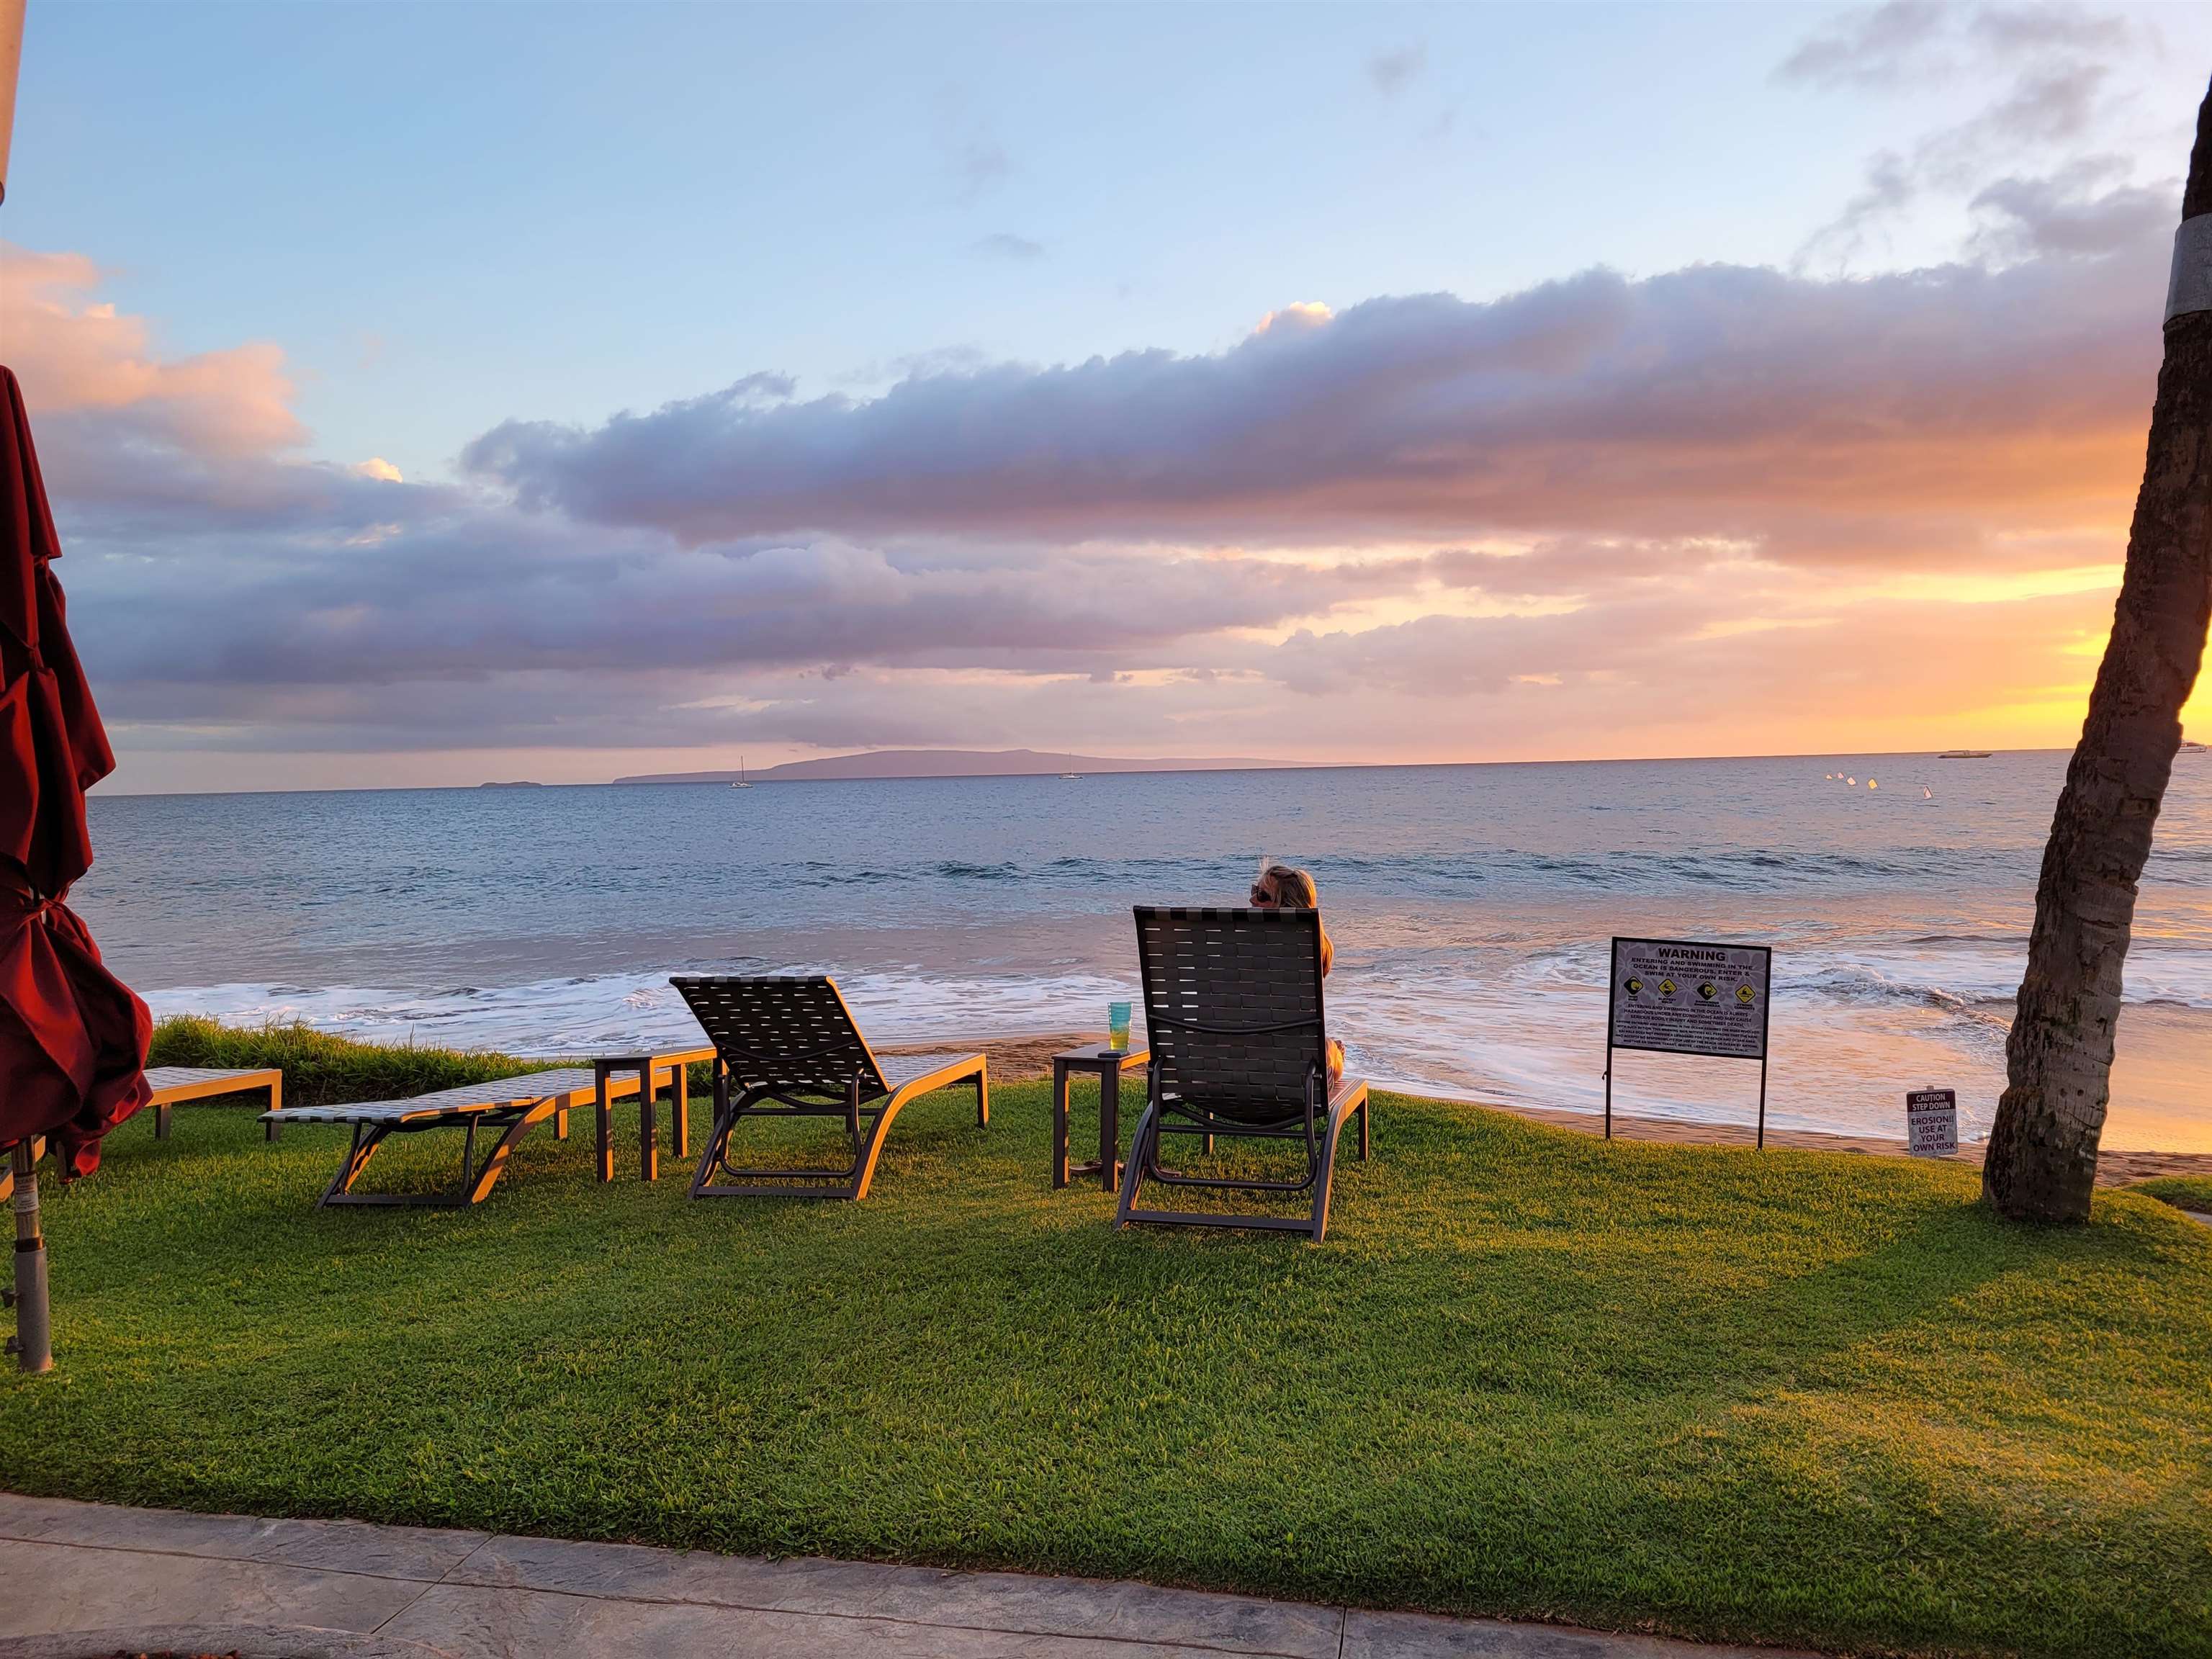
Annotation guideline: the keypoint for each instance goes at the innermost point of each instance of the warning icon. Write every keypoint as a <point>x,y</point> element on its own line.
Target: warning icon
<point>1665,987</point>
<point>1633,985</point>
<point>1709,990</point>
<point>1746,995</point>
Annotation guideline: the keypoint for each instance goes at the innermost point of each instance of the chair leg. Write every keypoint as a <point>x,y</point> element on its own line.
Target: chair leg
<point>1327,1171</point>
<point>1144,1148</point>
<point>160,1123</point>
<point>717,1138</point>
<point>495,1164</point>
<point>365,1140</point>
<point>983,1097</point>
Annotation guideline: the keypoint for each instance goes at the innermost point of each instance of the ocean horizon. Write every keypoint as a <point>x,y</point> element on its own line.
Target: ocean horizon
<point>1134,769</point>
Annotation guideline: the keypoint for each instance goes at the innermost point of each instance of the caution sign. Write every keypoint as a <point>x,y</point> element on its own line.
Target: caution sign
<point>1678,997</point>
<point>1931,1122</point>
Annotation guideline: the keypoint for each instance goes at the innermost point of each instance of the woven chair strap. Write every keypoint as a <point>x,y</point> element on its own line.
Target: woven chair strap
<point>1157,1023</point>
<point>786,1059</point>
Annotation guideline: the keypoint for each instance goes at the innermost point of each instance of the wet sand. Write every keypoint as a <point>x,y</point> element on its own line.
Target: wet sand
<point>1018,1058</point>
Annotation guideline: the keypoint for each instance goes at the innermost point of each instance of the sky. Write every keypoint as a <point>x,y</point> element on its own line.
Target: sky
<point>437,393</point>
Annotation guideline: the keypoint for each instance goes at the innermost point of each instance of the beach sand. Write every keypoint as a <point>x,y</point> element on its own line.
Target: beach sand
<point>1020,1059</point>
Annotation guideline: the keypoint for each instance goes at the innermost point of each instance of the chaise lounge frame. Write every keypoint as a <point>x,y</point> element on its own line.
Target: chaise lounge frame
<point>512,1105</point>
<point>1239,1051</point>
<point>787,1046</point>
<point>174,1085</point>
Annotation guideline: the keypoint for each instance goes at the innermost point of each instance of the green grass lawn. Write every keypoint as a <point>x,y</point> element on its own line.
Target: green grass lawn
<point>321,1069</point>
<point>2183,1192</point>
<point>1796,1396</point>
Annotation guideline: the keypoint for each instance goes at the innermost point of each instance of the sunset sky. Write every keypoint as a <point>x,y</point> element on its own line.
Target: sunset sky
<point>431,394</point>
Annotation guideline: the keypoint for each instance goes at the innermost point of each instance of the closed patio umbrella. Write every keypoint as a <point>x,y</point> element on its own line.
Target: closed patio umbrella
<point>72,1036</point>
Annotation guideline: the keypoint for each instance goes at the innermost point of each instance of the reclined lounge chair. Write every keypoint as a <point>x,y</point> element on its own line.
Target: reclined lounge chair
<point>788,1048</point>
<point>174,1084</point>
<point>515,1104</point>
<point>1232,1003</point>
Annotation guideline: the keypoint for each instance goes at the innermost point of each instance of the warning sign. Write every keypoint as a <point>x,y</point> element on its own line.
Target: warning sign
<point>1677,997</point>
<point>1931,1122</point>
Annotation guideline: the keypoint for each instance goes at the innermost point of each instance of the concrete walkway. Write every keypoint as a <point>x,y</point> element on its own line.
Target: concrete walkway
<point>78,1580</point>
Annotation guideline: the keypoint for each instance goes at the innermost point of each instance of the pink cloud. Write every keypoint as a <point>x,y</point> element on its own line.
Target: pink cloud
<point>74,354</point>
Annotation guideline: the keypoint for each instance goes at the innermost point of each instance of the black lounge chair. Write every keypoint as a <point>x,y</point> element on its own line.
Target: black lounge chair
<point>1239,1050</point>
<point>788,1048</point>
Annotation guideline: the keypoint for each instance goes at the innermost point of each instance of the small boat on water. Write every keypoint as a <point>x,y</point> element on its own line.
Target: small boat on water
<point>2188,748</point>
<point>1964,754</point>
<point>1071,775</point>
<point>741,782</point>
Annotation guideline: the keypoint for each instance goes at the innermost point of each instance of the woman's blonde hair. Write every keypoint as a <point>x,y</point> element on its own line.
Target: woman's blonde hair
<point>1294,887</point>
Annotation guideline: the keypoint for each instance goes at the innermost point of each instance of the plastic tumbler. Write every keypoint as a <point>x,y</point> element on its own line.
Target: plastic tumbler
<point>1117,1026</point>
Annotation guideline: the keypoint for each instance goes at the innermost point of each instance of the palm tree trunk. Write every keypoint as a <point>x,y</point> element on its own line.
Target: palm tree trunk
<point>2042,1157</point>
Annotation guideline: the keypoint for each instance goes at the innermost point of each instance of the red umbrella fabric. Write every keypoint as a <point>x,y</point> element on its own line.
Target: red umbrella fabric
<point>72,1036</point>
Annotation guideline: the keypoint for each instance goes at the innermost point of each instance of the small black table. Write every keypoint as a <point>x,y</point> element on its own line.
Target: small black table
<point>653,1071</point>
<point>1108,1065</point>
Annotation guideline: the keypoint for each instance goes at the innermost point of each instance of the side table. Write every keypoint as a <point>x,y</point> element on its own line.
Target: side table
<point>1107,1065</point>
<point>654,1071</point>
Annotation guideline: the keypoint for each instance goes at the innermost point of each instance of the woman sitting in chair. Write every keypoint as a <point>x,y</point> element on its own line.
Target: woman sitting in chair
<point>1283,887</point>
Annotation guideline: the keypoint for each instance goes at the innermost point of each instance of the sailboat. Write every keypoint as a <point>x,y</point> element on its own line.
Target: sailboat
<point>1071,775</point>
<point>741,782</point>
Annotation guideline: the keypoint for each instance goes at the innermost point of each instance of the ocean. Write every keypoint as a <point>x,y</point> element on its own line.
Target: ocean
<point>1471,907</point>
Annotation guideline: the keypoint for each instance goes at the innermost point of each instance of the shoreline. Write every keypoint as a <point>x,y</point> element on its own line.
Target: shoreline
<point>1028,1056</point>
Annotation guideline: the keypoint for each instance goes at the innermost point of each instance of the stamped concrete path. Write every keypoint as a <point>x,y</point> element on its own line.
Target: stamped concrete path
<point>80,1580</point>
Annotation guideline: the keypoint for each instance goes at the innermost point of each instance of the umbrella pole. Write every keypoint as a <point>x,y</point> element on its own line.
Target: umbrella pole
<point>33,1343</point>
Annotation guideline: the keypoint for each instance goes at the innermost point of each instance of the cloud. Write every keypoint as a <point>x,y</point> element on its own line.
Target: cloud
<point>1299,313</point>
<point>1909,44</point>
<point>1820,420</point>
<point>2068,216</point>
<point>1004,245</point>
<point>74,354</point>
<point>1413,527</point>
<point>377,467</point>
<point>1873,47</point>
<point>1392,72</point>
<point>974,159</point>
<point>2047,75</point>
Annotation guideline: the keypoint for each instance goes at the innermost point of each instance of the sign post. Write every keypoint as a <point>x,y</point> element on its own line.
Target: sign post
<point>1673,996</point>
<point>1931,1122</point>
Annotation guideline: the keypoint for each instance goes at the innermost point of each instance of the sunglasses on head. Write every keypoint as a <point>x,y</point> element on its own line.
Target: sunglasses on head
<point>1262,893</point>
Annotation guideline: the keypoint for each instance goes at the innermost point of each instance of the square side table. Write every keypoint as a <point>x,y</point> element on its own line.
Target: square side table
<point>654,1071</point>
<point>1107,1065</point>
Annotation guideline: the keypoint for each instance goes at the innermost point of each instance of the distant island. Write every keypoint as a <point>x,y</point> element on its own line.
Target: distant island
<point>520,783</point>
<point>952,763</point>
